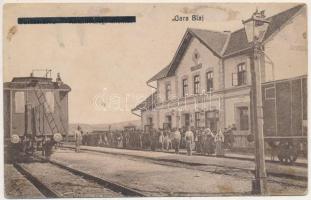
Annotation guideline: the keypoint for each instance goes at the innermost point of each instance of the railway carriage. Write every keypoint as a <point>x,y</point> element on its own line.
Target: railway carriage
<point>285,117</point>
<point>35,114</point>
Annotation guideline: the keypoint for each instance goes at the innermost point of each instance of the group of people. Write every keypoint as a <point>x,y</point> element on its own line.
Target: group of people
<point>201,140</point>
<point>204,141</point>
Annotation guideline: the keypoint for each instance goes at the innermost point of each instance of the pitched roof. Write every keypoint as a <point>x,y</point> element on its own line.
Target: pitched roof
<point>28,82</point>
<point>238,41</point>
<point>224,44</point>
<point>148,103</point>
<point>214,39</point>
<point>160,74</point>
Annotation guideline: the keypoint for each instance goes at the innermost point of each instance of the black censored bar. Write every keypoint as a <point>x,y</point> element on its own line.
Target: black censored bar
<point>76,20</point>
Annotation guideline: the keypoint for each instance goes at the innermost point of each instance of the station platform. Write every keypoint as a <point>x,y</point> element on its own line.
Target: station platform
<point>233,161</point>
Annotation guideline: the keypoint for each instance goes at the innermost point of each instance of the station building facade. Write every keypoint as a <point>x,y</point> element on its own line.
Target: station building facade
<point>207,83</point>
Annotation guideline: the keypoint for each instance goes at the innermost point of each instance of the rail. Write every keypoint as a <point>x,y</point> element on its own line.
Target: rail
<point>43,188</point>
<point>105,182</point>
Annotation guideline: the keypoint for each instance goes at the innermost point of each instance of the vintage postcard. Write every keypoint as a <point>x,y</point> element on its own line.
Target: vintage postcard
<point>155,100</point>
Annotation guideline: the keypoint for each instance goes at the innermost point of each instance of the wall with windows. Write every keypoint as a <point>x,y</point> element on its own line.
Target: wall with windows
<point>233,68</point>
<point>234,105</point>
<point>198,60</point>
<point>167,118</point>
<point>150,117</point>
<point>185,114</point>
<point>163,94</point>
<point>237,108</point>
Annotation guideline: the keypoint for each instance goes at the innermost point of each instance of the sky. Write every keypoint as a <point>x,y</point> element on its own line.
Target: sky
<point>107,65</point>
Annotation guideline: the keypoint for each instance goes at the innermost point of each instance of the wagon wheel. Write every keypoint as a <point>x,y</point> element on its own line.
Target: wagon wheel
<point>288,153</point>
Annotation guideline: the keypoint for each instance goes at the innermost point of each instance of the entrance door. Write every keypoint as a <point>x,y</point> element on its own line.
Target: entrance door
<point>150,122</point>
<point>169,121</point>
<point>187,120</point>
<point>211,120</point>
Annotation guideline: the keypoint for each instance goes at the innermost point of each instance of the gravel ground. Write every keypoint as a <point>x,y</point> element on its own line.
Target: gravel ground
<point>66,183</point>
<point>17,186</point>
<point>224,170</point>
<point>158,179</point>
<point>154,179</point>
<point>223,162</point>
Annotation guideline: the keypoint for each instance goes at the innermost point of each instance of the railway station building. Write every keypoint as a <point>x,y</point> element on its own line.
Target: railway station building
<point>208,81</point>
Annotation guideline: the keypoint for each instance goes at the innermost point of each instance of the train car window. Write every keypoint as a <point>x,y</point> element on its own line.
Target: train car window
<point>50,102</point>
<point>19,102</point>
<point>270,93</point>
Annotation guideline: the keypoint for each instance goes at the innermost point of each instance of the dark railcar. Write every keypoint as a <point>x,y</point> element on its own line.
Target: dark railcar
<point>285,117</point>
<point>35,114</point>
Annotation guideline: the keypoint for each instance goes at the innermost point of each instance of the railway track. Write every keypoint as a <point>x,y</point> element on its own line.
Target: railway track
<point>56,180</point>
<point>43,188</point>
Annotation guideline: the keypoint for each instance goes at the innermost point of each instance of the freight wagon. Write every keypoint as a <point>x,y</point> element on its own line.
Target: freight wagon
<point>35,114</point>
<point>285,117</point>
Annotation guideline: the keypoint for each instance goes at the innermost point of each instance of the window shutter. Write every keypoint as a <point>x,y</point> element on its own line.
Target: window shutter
<point>234,79</point>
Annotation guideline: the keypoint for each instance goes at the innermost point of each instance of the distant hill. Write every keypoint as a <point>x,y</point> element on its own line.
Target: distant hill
<point>114,126</point>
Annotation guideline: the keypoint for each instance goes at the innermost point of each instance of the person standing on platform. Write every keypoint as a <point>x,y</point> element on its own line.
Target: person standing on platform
<point>165,141</point>
<point>140,138</point>
<point>78,138</point>
<point>176,140</point>
<point>124,133</point>
<point>161,140</point>
<point>210,148</point>
<point>197,135</point>
<point>153,139</point>
<point>170,138</point>
<point>204,141</point>
<point>189,141</point>
<point>219,140</point>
